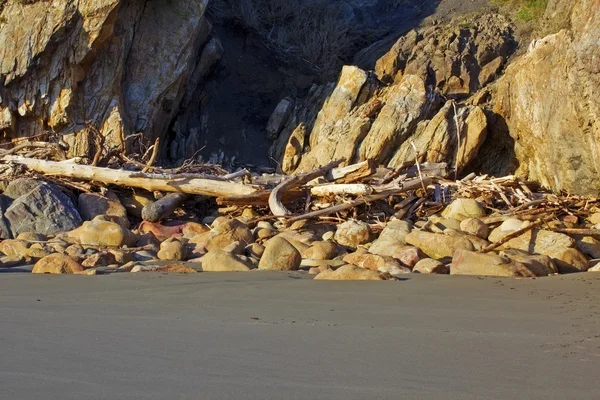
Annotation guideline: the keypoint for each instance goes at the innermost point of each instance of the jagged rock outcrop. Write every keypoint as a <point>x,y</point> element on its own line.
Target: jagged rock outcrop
<point>380,116</point>
<point>459,59</point>
<point>97,71</point>
<point>549,100</point>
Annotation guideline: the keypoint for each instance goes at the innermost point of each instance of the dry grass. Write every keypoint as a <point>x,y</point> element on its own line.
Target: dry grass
<point>310,32</point>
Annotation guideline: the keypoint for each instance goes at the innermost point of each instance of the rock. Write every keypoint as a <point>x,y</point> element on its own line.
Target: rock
<point>221,261</point>
<point>123,222</point>
<point>121,257</point>
<point>173,249</point>
<point>352,233</point>
<point>172,268</point>
<point>476,227</point>
<point>553,129</point>
<point>321,251</point>
<point>15,248</point>
<point>32,237</point>
<point>439,225</point>
<point>45,210</point>
<point>263,234</point>
<point>280,255</point>
<point>589,245</point>
<point>431,266</point>
<point>191,229</point>
<point>147,239</point>
<point>349,273</point>
<point>76,252</point>
<point>394,232</point>
<point>407,102</point>
<point>5,232</point>
<point>436,142</point>
<point>455,57</point>
<point>314,271</point>
<point>477,242</point>
<point>100,259</point>
<point>594,218</point>
<point>541,241</point>
<point>507,227</point>
<point>569,260</point>
<point>539,264</point>
<point>470,263</point>
<point>255,250</point>
<point>370,261</point>
<point>394,271</point>
<point>144,255</point>
<point>163,231</point>
<point>57,264</point>
<point>437,245</point>
<point>227,232</point>
<point>91,205</point>
<point>102,233</point>
<point>134,203</point>
<point>37,251</point>
<point>20,187</point>
<point>462,209</point>
<point>595,268</point>
<point>279,118</point>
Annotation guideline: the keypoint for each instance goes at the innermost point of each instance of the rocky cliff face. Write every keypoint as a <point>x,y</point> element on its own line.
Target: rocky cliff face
<point>549,99</point>
<point>95,72</point>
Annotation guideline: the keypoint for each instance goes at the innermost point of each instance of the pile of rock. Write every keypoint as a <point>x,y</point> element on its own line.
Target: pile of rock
<point>44,228</point>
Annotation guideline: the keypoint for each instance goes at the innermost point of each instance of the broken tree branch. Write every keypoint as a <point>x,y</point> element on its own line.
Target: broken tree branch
<point>275,204</point>
<point>164,207</point>
<point>207,187</point>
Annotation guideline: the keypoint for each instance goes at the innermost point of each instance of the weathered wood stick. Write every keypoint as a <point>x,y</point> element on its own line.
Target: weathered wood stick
<point>275,204</point>
<point>355,189</point>
<point>207,187</point>
<point>260,198</point>
<point>410,185</point>
<point>352,173</point>
<point>164,207</point>
<point>582,232</point>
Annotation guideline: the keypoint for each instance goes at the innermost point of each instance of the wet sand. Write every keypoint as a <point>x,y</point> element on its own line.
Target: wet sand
<point>282,336</point>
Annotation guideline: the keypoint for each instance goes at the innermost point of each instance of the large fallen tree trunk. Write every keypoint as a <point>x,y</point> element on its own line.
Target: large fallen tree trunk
<point>118,177</point>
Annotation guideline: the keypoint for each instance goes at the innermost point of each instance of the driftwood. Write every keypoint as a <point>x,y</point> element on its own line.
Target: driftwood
<point>206,187</point>
<point>410,185</point>
<point>352,173</point>
<point>355,189</point>
<point>275,204</point>
<point>164,207</point>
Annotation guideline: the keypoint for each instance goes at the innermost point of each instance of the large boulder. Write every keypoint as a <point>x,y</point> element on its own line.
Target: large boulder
<point>102,233</point>
<point>57,264</point>
<point>349,273</point>
<point>471,263</point>
<point>45,209</point>
<point>92,204</point>
<point>437,245</point>
<point>280,255</point>
<point>222,261</point>
<point>555,122</point>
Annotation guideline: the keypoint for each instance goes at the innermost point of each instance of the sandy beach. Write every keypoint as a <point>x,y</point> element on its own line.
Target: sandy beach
<point>277,335</point>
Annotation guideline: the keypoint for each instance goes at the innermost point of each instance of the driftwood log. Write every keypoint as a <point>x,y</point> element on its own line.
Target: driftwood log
<point>163,207</point>
<point>206,187</point>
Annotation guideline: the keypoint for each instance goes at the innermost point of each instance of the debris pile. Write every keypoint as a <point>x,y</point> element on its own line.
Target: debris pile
<point>356,221</point>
